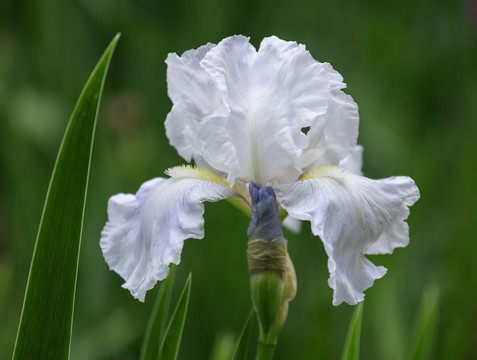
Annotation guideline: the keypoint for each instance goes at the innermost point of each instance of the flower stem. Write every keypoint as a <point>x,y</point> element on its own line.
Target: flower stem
<point>265,351</point>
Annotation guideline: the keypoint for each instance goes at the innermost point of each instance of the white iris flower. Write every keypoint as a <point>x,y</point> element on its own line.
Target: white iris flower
<point>276,117</point>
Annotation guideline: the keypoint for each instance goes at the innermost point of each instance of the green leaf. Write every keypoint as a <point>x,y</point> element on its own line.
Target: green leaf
<point>425,329</point>
<point>170,344</point>
<point>241,349</point>
<point>158,319</point>
<point>45,325</point>
<point>351,349</point>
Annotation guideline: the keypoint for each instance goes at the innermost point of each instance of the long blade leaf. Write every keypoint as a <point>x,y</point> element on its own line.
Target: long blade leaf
<point>157,320</point>
<point>241,350</point>
<point>425,329</point>
<point>45,325</point>
<point>351,349</point>
<point>171,342</point>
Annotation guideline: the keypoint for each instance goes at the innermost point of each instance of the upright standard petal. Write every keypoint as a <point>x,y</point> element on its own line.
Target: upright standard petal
<point>334,134</point>
<point>194,96</point>
<point>146,232</point>
<point>243,111</point>
<point>269,95</point>
<point>353,216</point>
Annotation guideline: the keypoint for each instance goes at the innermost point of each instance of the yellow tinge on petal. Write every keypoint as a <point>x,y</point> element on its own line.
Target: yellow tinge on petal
<point>196,172</point>
<point>241,199</point>
<point>324,171</point>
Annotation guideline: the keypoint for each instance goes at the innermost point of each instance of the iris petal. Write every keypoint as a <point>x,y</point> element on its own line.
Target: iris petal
<point>334,134</point>
<point>146,232</point>
<point>194,96</point>
<point>353,216</point>
<point>354,161</point>
<point>241,111</point>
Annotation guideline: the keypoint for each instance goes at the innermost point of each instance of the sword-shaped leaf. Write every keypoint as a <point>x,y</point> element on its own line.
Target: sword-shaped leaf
<point>351,349</point>
<point>171,342</point>
<point>158,319</point>
<point>47,315</point>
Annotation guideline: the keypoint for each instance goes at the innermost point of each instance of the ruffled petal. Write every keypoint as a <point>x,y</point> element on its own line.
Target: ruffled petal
<point>145,232</point>
<point>268,95</point>
<point>194,96</point>
<point>353,216</point>
<point>334,134</point>
<point>243,111</point>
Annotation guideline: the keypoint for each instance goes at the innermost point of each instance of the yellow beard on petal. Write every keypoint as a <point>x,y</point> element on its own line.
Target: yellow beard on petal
<point>324,171</point>
<point>196,172</point>
<point>241,199</point>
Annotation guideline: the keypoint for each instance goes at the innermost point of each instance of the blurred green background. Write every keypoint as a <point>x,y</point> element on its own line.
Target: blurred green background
<point>412,68</point>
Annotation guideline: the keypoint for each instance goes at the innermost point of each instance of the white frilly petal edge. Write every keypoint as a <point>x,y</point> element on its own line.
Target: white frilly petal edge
<point>333,136</point>
<point>193,95</point>
<point>353,216</point>
<point>146,232</point>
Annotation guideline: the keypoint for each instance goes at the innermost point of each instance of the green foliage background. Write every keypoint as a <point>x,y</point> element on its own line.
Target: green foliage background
<point>410,66</point>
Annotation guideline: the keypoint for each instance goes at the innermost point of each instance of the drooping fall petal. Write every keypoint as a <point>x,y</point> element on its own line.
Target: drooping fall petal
<point>146,232</point>
<point>353,216</point>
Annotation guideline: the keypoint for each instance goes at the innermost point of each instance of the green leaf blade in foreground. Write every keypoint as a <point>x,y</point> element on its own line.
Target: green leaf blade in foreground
<point>45,325</point>
<point>351,349</point>
<point>241,350</point>
<point>171,342</point>
<point>423,340</point>
<point>158,318</point>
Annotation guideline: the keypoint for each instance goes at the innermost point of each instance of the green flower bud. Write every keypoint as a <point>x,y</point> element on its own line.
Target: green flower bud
<point>272,275</point>
<point>273,285</point>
